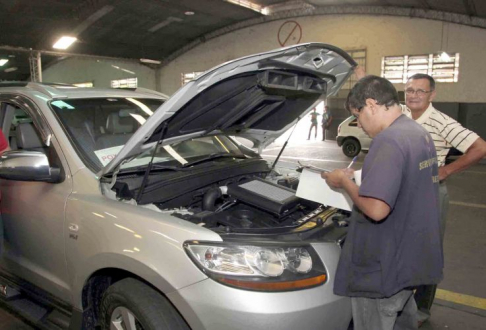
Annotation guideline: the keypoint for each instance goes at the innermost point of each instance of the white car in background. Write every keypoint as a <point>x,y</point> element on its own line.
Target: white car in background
<point>352,138</point>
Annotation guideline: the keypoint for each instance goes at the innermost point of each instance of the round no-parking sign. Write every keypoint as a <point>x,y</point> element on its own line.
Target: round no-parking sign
<point>289,33</point>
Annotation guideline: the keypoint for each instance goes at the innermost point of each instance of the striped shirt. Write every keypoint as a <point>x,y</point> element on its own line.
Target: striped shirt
<point>445,131</point>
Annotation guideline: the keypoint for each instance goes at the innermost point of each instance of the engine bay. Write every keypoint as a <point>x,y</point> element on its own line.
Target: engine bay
<point>241,196</point>
<point>252,204</point>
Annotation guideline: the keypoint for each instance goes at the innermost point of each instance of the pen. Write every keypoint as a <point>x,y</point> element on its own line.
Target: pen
<point>352,162</point>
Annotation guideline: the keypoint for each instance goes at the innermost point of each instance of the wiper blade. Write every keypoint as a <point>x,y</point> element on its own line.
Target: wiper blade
<point>169,168</point>
<point>139,169</point>
<point>211,157</point>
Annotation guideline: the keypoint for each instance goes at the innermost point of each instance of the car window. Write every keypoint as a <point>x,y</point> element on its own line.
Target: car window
<point>353,123</point>
<point>100,127</point>
<point>18,117</point>
<point>188,151</point>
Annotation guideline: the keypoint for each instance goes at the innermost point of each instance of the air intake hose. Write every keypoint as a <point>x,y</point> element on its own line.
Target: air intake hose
<point>210,197</point>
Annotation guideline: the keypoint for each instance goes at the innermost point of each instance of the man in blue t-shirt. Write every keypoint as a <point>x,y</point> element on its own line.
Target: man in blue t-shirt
<point>393,243</point>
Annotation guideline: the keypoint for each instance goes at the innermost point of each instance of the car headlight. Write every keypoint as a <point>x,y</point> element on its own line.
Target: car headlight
<point>259,267</point>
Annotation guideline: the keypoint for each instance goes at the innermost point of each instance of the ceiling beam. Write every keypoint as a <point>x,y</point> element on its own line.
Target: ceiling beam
<point>338,10</point>
<point>64,54</point>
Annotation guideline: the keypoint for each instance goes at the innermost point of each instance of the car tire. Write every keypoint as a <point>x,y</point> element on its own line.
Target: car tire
<point>132,305</point>
<point>351,147</point>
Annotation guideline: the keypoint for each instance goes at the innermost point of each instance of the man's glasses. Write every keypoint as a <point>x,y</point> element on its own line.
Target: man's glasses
<point>418,92</point>
<point>356,113</point>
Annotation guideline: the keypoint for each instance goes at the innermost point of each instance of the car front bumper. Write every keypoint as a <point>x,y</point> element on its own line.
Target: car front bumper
<point>211,305</point>
<point>340,140</point>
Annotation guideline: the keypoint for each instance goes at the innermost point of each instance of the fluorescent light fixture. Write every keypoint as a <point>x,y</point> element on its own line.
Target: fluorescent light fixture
<point>64,42</point>
<point>247,4</point>
<point>3,61</point>
<point>12,69</point>
<point>189,13</point>
<point>293,5</point>
<point>146,60</point>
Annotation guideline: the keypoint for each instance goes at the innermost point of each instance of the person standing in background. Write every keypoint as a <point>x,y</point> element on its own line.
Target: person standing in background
<point>326,121</point>
<point>314,114</point>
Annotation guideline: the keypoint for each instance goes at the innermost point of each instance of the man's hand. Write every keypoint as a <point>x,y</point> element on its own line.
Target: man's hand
<point>443,174</point>
<point>373,208</point>
<point>473,155</point>
<point>336,178</point>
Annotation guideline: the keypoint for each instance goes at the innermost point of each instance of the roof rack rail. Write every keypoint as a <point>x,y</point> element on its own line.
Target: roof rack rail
<point>13,83</point>
<point>150,91</point>
<point>46,89</point>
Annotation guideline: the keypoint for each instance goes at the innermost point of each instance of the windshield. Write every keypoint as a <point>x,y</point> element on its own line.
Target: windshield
<point>100,127</point>
<point>189,152</point>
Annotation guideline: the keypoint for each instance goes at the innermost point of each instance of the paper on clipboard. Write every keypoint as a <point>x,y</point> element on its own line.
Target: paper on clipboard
<point>314,188</point>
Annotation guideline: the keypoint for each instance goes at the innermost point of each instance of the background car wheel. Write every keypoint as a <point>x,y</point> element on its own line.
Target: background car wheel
<point>351,147</point>
<point>132,305</point>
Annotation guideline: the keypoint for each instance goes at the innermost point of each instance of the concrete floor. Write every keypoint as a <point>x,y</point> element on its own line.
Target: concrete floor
<point>461,302</point>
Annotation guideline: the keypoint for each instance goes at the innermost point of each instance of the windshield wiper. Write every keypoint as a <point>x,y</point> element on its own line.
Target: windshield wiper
<point>211,157</point>
<point>143,168</point>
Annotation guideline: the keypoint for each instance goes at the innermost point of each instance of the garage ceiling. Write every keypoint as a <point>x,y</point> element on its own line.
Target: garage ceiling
<point>157,29</point>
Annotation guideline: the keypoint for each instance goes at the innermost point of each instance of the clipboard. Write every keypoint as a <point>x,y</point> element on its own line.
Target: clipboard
<point>314,188</point>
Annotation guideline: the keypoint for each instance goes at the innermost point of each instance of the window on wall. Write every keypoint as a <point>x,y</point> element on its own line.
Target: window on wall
<point>443,67</point>
<point>125,83</point>
<point>359,55</point>
<point>85,84</point>
<point>186,77</point>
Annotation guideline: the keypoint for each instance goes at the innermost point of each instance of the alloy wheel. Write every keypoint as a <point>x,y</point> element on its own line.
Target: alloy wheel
<point>123,319</point>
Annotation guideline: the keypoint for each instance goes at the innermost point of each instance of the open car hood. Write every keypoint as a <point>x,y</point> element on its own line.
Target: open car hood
<point>258,97</point>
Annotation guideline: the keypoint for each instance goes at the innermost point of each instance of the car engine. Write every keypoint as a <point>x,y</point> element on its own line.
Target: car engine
<point>252,203</point>
<point>232,196</point>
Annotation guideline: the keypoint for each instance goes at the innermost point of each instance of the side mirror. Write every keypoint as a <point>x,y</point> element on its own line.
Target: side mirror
<point>28,166</point>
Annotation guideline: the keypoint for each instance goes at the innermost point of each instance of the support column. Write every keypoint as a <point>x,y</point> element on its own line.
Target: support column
<point>35,66</point>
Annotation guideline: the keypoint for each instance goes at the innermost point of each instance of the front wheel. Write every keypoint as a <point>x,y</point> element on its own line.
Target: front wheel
<point>351,147</point>
<point>132,305</point>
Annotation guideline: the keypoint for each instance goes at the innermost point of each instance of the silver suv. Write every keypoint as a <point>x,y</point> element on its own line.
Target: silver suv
<point>126,210</point>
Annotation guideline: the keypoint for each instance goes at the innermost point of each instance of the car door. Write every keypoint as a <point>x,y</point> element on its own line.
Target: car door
<point>33,212</point>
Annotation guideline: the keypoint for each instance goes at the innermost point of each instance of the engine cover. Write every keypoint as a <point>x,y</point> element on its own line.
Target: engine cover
<point>265,195</point>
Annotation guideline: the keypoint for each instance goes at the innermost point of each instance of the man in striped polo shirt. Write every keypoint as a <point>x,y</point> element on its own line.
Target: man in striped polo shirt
<point>446,133</point>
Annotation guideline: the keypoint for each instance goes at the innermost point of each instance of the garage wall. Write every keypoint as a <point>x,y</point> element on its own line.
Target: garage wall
<point>100,72</point>
<point>380,35</point>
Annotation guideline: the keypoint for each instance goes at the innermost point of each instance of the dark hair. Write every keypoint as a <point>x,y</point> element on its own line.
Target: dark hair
<point>424,76</point>
<point>371,87</point>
